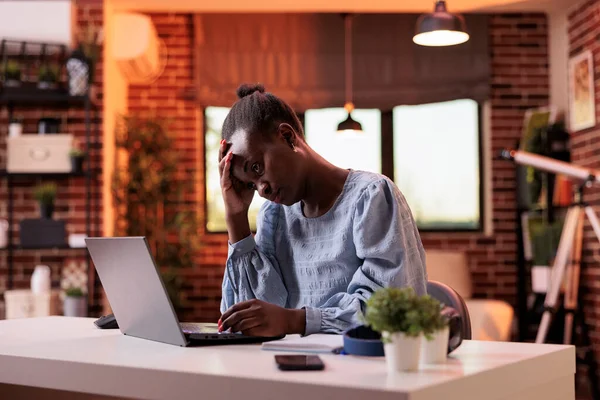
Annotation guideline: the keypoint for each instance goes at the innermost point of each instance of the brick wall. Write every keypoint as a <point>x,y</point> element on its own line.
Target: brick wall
<point>70,203</point>
<point>584,27</point>
<point>520,81</point>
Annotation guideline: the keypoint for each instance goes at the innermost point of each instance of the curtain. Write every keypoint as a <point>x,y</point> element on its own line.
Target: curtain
<point>300,58</point>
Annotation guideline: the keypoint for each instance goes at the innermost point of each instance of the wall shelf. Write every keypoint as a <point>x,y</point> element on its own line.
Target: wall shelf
<point>20,248</point>
<point>38,97</point>
<point>28,96</point>
<point>44,175</point>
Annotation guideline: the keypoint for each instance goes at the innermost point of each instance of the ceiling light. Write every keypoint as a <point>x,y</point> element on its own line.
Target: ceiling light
<point>440,28</point>
<point>349,124</point>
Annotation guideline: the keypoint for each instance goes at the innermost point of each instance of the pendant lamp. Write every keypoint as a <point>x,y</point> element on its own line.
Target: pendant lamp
<point>440,28</point>
<point>349,124</point>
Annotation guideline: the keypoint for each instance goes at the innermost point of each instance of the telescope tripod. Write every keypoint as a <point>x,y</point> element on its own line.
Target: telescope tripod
<point>567,266</point>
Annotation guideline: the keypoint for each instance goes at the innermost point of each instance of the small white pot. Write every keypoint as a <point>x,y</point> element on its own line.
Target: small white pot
<point>74,306</point>
<point>402,352</point>
<point>435,351</point>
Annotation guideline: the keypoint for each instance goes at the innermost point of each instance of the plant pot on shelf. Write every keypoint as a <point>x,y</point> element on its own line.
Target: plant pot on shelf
<point>74,303</point>
<point>48,77</point>
<point>77,164</point>
<point>402,352</point>
<point>77,157</point>
<point>12,73</point>
<point>435,347</point>
<point>45,194</point>
<point>46,210</point>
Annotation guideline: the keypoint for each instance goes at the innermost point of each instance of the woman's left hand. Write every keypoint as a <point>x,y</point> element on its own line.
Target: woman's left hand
<point>259,318</point>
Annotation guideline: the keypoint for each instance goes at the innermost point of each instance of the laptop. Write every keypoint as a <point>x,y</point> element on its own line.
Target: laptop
<point>139,300</point>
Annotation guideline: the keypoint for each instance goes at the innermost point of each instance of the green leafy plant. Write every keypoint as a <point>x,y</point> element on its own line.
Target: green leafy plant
<point>48,73</point>
<point>45,193</point>
<point>76,152</point>
<point>90,39</point>
<point>394,310</point>
<point>12,70</point>
<point>432,319</point>
<point>544,237</point>
<point>74,292</point>
<point>149,194</point>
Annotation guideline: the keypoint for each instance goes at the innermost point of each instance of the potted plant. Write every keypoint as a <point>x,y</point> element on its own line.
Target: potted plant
<point>77,156</point>
<point>544,237</point>
<point>48,76</point>
<point>395,313</point>
<point>12,74</point>
<point>74,303</point>
<point>435,330</point>
<point>45,194</point>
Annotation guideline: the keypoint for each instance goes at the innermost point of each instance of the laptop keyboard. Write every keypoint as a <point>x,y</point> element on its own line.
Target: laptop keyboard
<point>190,327</point>
<point>208,332</point>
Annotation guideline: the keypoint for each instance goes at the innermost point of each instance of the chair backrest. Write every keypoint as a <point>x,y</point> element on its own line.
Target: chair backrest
<point>450,298</point>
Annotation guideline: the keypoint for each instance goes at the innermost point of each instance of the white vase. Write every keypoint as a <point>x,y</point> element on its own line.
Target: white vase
<point>402,353</point>
<point>3,233</point>
<point>74,306</point>
<point>40,279</point>
<point>435,351</point>
<point>15,129</point>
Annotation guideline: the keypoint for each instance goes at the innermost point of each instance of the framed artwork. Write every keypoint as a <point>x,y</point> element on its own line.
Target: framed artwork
<point>582,106</point>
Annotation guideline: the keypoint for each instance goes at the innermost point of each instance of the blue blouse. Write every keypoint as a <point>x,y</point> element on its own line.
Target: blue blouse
<point>329,265</point>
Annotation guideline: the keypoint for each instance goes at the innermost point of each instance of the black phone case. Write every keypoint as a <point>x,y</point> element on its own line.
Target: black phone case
<point>300,367</point>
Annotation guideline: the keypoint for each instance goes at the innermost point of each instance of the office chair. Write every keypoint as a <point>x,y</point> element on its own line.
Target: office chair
<point>460,327</point>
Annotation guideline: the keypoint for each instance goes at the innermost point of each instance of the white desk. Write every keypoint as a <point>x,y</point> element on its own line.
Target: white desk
<point>71,354</point>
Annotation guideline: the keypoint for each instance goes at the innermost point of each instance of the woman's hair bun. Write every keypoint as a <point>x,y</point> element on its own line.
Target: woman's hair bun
<point>247,89</point>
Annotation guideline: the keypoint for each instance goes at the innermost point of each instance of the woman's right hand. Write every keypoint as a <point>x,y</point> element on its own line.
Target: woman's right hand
<point>236,195</point>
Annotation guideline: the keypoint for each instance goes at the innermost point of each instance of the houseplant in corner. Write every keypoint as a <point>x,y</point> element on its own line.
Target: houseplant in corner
<point>395,313</point>
<point>45,194</point>
<point>74,304</point>
<point>435,326</point>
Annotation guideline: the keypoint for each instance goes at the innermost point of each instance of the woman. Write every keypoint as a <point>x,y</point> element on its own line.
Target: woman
<point>326,240</point>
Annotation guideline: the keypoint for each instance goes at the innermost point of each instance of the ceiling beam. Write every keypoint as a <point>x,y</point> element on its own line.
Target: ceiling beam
<point>354,6</point>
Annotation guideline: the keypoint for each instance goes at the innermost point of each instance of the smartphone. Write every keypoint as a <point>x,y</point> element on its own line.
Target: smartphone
<point>299,363</point>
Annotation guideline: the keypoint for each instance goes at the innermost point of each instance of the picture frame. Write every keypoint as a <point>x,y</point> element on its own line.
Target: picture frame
<point>582,105</point>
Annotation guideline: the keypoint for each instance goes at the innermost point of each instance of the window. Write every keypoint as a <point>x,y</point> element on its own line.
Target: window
<point>437,163</point>
<point>360,151</point>
<point>432,153</point>
<point>215,208</point>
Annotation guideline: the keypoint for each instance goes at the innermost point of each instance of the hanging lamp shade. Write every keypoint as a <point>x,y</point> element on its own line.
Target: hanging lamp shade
<point>349,124</point>
<point>440,28</point>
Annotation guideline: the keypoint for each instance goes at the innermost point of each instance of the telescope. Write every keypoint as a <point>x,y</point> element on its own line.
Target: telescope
<point>568,254</point>
<point>586,175</point>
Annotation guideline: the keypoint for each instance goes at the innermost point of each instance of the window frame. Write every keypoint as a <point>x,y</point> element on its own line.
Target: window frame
<point>387,168</point>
